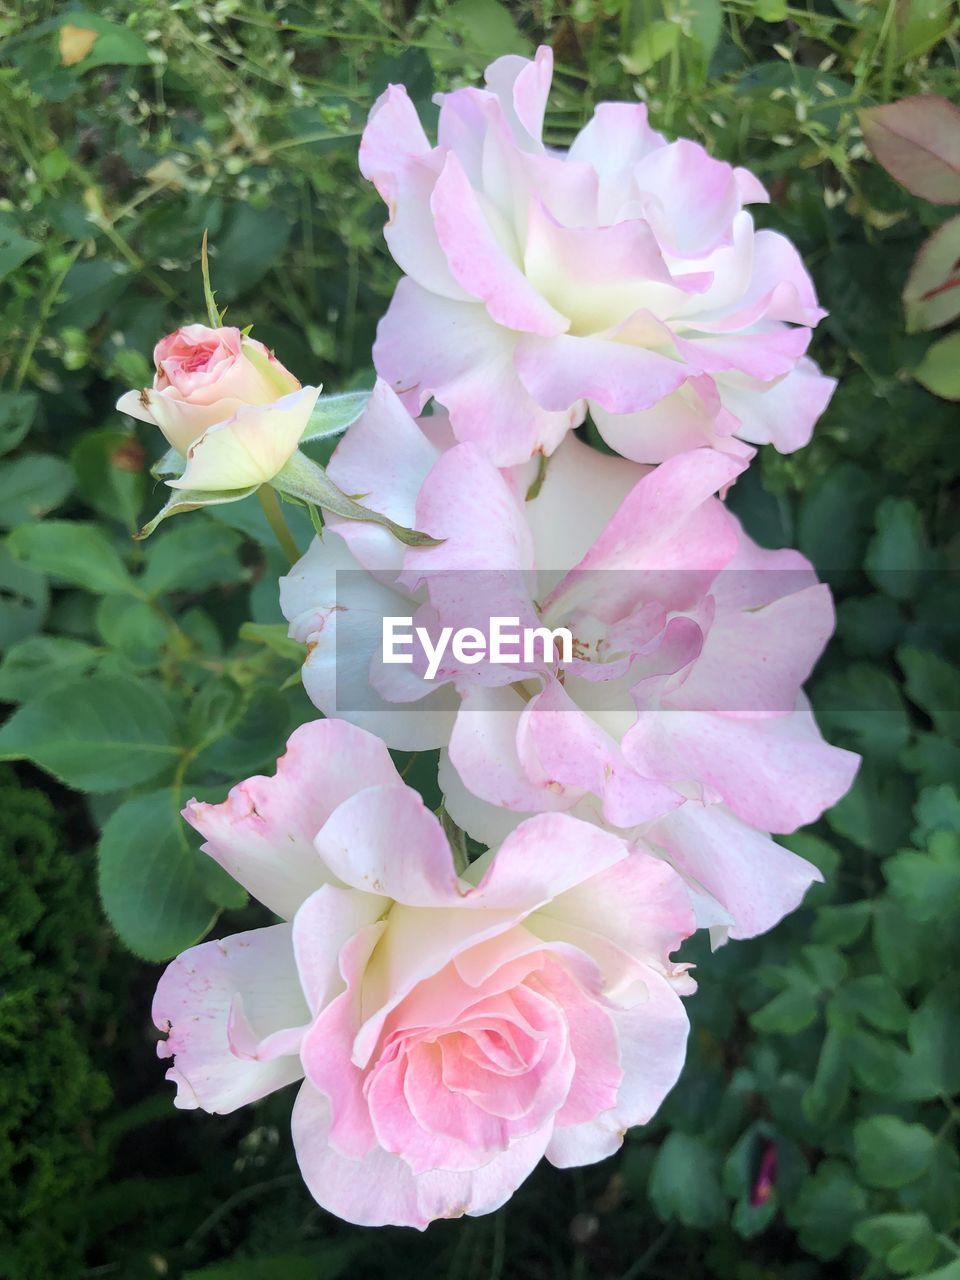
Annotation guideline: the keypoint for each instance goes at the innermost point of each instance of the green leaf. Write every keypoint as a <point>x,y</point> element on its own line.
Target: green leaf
<point>822,854</point>
<point>907,951</point>
<point>740,1175</point>
<point>899,560</point>
<point>487,27</point>
<point>101,734</point>
<point>749,1220</point>
<point>827,1209</point>
<point>937,809</point>
<point>202,630</point>
<point>305,480</point>
<point>827,1095</point>
<point>934,685</point>
<point>704,19</point>
<point>920,25</point>
<point>655,41</point>
<point>890,1152</point>
<point>78,553</point>
<point>950,1272</point>
<point>192,557</point>
<point>861,708</point>
<point>152,889</point>
<point>685,1182</point>
<point>933,759</point>
<point>904,1241</point>
<point>31,486</point>
<point>939,370</point>
<point>841,926</point>
<point>273,635</point>
<point>15,249</point>
<point>24,598</point>
<point>332,415</point>
<point>869,626</point>
<point>114,45</point>
<point>788,1012</point>
<point>878,1063</point>
<point>90,289</point>
<point>826,965</point>
<point>874,813</point>
<point>109,467</point>
<point>931,296</point>
<point>876,1000</point>
<point>835,513</point>
<point>216,707</point>
<point>219,886</point>
<point>937,1192</point>
<point>934,1039</point>
<point>254,741</point>
<point>133,628</point>
<point>40,664</point>
<point>766,516</point>
<point>249,244</point>
<point>926,887</point>
<point>17,411</point>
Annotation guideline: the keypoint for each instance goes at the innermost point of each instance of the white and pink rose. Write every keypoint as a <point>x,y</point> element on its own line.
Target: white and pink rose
<point>624,277</point>
<point>680,721</point>
<point>449,1029</point>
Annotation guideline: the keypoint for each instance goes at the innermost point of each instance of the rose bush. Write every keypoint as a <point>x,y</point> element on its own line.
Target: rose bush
<point>624,278</point>
<point>680,719</point>
<point>812,1128</point>
<point>451,1029</point>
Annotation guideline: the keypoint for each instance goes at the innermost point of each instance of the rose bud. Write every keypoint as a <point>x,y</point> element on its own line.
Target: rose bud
<point>226,404</point>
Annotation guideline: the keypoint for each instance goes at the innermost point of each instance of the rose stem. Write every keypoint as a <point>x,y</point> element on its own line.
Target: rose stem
<point>271,509</point>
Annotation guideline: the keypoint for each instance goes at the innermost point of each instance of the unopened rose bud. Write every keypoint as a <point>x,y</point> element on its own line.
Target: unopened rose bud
<point>250,446</point>
<point>235,419</point>
<point>226,404</point>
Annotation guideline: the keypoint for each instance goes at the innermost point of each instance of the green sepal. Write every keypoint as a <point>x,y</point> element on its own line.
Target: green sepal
<point>303,479</point>
<point>170,467</point>
<point>191,500</point>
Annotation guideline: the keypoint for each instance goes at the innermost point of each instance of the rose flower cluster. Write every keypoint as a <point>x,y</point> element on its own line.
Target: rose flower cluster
<point>462,993</point>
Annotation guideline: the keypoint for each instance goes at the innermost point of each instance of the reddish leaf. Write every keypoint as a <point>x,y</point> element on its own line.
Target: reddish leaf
<point>917,140</point>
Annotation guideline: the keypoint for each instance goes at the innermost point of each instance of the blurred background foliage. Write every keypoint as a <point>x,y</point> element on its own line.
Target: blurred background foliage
<point>814,1132</point>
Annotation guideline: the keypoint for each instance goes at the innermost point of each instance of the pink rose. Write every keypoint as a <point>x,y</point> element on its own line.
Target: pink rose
<point>680,719</point>
<point>226,404</point>
<point>451,1029</point>
<point>623,277</point>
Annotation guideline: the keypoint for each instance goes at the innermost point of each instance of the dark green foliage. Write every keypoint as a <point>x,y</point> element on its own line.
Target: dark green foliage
<point>55,1019</point>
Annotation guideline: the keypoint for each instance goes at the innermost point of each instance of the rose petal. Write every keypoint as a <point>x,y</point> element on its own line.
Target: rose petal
<point>193,1005</point>
<point>263,833</point>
